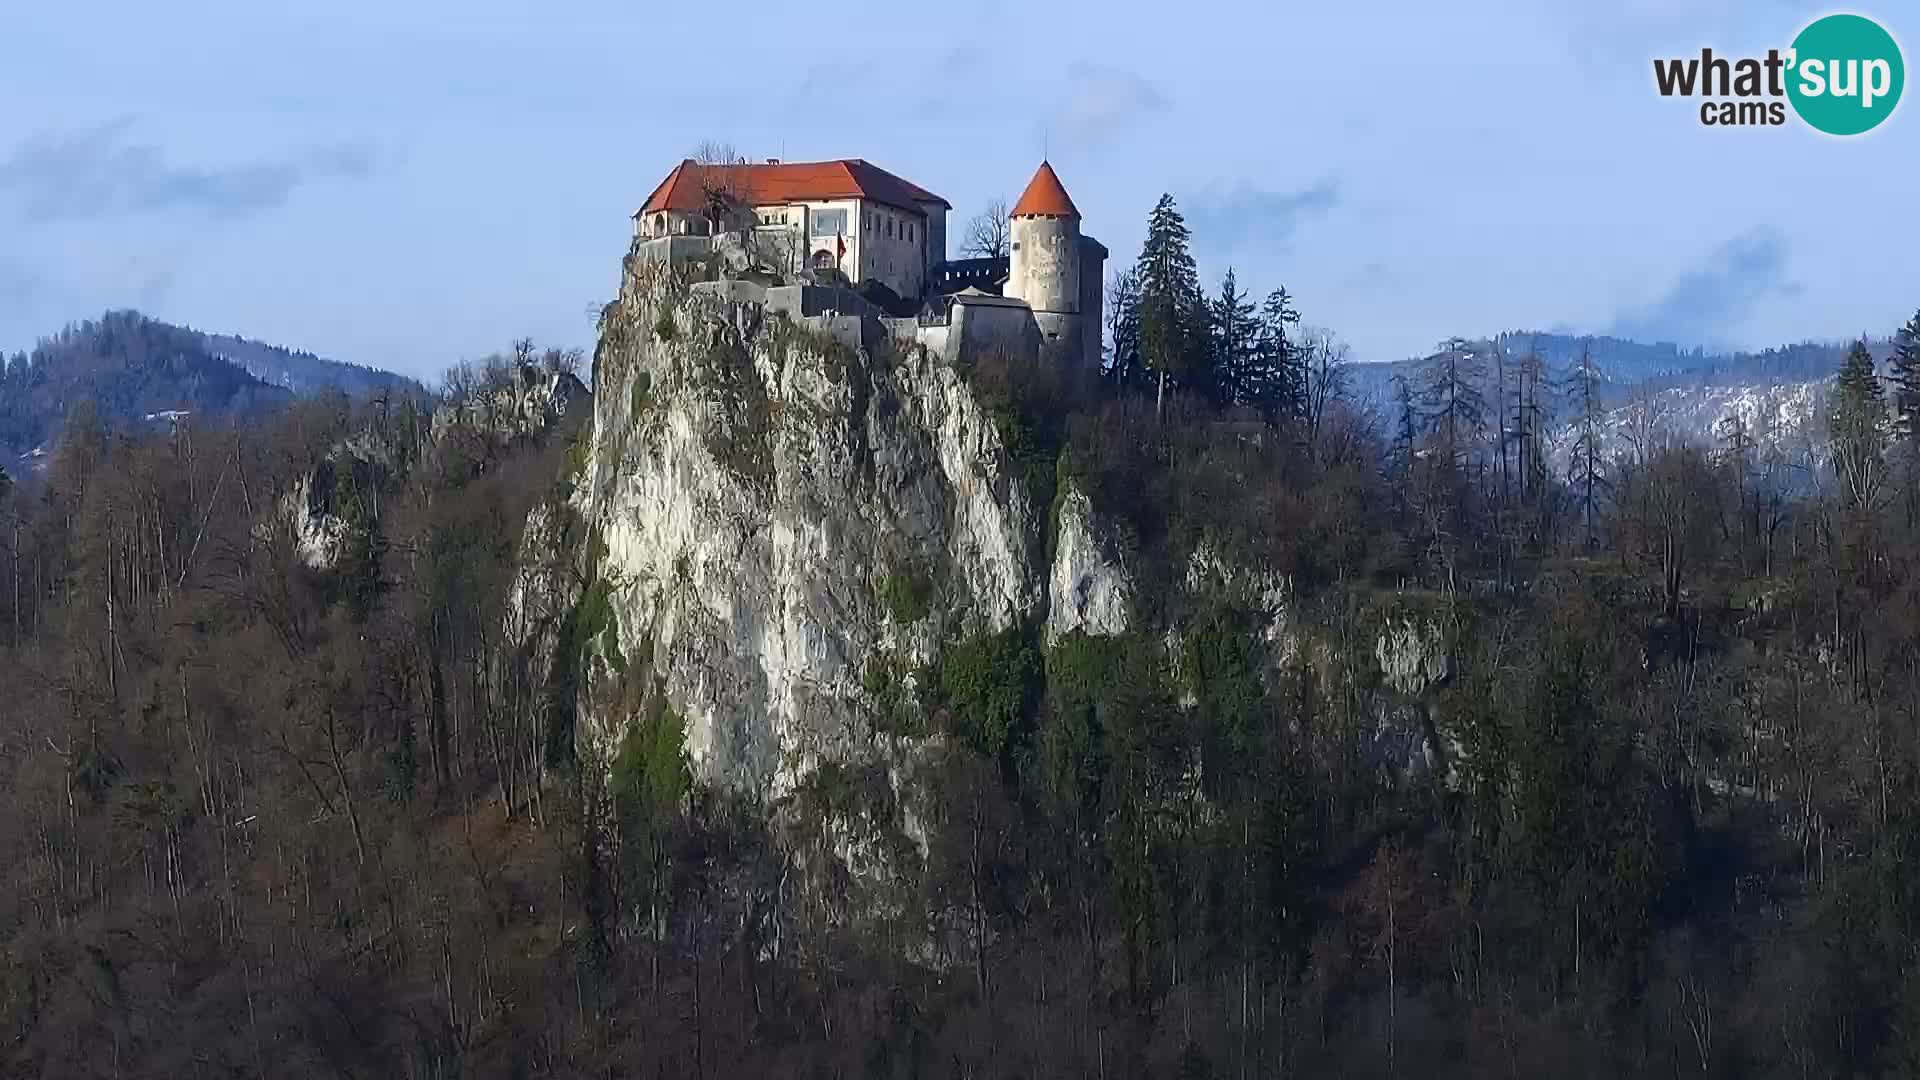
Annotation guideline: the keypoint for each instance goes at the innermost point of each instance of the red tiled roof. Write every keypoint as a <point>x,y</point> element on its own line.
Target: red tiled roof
<point>799,181</point>
<point>1044,197</point>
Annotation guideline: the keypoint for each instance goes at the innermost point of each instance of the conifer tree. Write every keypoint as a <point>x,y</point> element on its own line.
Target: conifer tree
<point>1407,427</point>
<point>1586,476</point>
<point>1856,421</point>
<point>13,550</point>
<point>1277,380</point>
<point>1905,374</point>
<point>1406,444</point>
<point>1235,334</point>
<point>1170,302</point>
<point>1456,419</point>
<point>1530,417</point>
<point>1450,391</point>
<point>1502,435</point>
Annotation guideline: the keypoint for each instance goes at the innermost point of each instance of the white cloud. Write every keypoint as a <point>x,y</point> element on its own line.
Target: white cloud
<point>1100,101</point>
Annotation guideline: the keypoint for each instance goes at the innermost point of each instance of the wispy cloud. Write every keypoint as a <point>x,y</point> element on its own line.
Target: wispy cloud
<point>1254,218</point>
<point>1374,275</point>
<point>1607,36</point>
<point>100,172</point>
<point>1099,102</point>
<point>1707,302</point>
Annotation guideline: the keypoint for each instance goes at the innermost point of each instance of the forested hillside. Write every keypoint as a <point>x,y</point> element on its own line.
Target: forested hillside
<point>123,367</point>
<point>305,373</point>
<point>1403,754</point>
<point>127,368</point>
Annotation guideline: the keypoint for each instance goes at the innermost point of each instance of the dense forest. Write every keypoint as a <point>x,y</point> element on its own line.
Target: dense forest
<point>125,366</point>
<point>262,819</point>
<point>128,367</point>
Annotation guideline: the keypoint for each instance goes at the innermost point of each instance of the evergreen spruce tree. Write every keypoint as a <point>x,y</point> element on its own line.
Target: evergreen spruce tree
<point>12,513</point>
<point>1586,475</point>
<point>1235,342</point>
<point>1531,414</point>
<point>1171,345</point>
<point>1736,442</point>
<point>1905,374</point>
<point>1450,392</point>
<point>1276,380</point>
<point>1856,422</point>
<point>1456,412</point>
<point>1406,433</point>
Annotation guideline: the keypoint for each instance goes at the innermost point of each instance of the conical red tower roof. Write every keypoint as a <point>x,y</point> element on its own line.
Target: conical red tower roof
<point>1044,197</point>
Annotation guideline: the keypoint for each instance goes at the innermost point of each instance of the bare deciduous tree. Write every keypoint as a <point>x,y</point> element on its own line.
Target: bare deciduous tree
<point>989,233</point>
<point>563,361</point>
<point>722,181</point>
<point>728,198</point>
<point>1324,361</point>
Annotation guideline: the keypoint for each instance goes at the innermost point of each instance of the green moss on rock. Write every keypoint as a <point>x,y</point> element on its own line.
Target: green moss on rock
<point>906,591</point>
<point>989,685</point>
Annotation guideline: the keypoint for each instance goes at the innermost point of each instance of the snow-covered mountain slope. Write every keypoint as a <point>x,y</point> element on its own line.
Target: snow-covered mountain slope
<point>1780,422</point>
<point>1773,400</point>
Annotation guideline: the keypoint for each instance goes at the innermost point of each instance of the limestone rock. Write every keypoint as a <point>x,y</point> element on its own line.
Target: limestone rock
<point>754,477</point>
<point>1090,591</point>
<point>527,401</point>
<point>1413,653</point>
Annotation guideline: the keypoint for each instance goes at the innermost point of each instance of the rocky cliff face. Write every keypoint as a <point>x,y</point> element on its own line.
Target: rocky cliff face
<point>769,510</point>
<point>516,404</point>
<point>1089,590</point>
<point>1413,653</point>
<point>321,510</point>
<point>781,509</point>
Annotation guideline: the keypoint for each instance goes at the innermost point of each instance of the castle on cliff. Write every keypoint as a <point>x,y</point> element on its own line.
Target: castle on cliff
<point>824,238</point>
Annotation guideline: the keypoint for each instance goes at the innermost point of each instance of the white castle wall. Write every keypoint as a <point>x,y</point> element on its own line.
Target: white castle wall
<point>1043,267</point>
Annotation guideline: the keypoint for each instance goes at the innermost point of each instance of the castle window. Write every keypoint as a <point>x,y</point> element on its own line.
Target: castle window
<point>889,227</point>
<point>829,222</point>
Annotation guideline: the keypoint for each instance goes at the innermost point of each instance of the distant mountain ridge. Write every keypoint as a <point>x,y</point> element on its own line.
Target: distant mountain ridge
<point>1777,395</point>
<point>133,370</point>
<point>305,373</point>
<point>1632,366</point>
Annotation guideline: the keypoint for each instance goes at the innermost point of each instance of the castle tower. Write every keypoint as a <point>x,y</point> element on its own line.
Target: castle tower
<point>1044,260</point>
<point>1049,265</point>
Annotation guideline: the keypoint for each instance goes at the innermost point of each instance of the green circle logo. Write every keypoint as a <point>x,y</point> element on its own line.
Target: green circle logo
<point>1847,74</point>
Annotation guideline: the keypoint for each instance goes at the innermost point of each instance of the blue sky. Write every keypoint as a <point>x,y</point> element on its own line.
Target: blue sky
<point>410,184</point>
